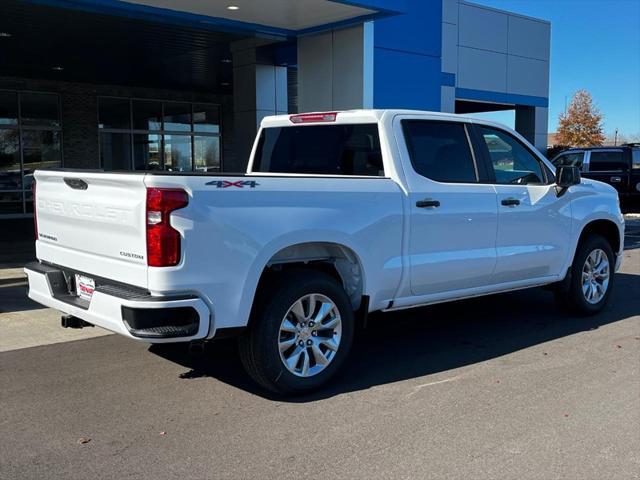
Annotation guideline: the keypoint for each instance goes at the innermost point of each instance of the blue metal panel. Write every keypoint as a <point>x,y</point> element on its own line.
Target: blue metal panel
<point>407,58</point>
<point>448,79</point>
<point>498,97</point>
<point>406,80</point>
<point>419,30</point>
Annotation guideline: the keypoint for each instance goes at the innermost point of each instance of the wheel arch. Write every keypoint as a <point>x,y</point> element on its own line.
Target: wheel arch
<point>335,259</point>
<point>604,227</point>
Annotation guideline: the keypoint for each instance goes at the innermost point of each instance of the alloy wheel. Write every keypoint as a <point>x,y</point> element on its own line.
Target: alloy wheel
<point>595,276</point>
<point>309,335</point>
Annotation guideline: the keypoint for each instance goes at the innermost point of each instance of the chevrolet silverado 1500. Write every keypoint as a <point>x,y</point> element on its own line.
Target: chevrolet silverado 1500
<point>339,214</point>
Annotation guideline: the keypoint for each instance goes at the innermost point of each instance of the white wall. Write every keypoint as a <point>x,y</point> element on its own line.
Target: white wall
<point>335,69</point>
<point>497,52</point>
<point>494,50</point>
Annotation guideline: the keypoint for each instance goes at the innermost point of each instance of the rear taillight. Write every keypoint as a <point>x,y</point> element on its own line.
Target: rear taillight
<point>163,241</point>
<point>35,211</point>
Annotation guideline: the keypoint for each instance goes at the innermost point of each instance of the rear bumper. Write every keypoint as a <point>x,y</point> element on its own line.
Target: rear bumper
<point>140,316</point>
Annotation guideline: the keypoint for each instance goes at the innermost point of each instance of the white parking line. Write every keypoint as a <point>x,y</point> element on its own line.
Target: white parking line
<point>417,388</point>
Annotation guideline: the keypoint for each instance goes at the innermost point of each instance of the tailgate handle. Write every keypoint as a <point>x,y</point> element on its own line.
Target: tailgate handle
<point>76,183</point>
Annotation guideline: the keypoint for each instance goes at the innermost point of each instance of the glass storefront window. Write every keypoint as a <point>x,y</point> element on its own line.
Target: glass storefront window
<point>206,118</point>
<point>40,149</point>
<point>39,110</point>
<point>177,117</point>
<point>28,193</point>
<point>114,113</point>
<point>206,154</point>
<point>10,168</point>
<point>147,115</point>
<point>8,109</point>
<point>30,139</point>
<point>147,152</point>
<point>177,153</point>
<point>10,202</point>
<point>174,136</point>
<point>115,151</point>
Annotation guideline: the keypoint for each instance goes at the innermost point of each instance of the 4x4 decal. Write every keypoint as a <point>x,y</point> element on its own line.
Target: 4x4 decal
<point>238,184</point>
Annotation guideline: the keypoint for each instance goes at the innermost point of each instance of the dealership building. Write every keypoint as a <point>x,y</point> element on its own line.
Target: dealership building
<point>183,85</point>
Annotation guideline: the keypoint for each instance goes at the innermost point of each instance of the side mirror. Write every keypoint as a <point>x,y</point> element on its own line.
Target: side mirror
<point>567,175</point>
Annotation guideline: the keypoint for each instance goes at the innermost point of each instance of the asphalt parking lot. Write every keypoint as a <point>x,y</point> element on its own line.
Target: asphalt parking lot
<point>501,387</point>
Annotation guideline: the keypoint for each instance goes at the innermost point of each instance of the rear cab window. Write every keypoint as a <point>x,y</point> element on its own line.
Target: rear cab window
<point>338,149</point>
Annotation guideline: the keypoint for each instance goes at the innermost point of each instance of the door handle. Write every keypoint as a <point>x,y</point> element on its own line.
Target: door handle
<point>510,202</point>
<point>615,179</point>
<point>427,202</point>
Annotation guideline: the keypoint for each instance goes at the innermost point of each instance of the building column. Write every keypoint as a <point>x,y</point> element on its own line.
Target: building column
<point>335,69</point>
<point>447,99</point>
<point>532,124</point>
<point>259,90</point>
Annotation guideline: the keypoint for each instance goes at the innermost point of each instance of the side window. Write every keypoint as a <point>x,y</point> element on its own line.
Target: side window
<point>512,162</point>
<point>574,159</point>
<point>440,151</point>
<point>612,161</point>
<point>635,158</point>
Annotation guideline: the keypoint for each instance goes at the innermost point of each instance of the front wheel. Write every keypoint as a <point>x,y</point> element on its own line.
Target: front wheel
<point>589,287</point>
<point>301,332</point>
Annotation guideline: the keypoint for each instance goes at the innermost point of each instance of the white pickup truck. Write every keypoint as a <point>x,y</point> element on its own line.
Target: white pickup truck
<point>338,215</point>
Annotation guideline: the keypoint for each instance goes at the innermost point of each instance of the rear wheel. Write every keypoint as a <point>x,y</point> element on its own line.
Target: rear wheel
<point>301,332</point>
<point>588,289</point>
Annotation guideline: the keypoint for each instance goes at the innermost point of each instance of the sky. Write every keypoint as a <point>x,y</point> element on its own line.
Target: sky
<point>595,45</point>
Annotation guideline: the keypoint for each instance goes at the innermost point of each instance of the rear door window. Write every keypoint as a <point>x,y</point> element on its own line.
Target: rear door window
<point>440,151</point>
<point>347,149</point>
<point>607,161</point>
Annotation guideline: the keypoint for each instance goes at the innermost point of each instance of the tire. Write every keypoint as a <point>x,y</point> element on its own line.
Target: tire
<point>288,296</point>
<point>573,295</point>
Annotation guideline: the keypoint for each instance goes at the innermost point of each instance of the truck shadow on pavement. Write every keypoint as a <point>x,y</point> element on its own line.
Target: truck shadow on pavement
<point>428,340</point>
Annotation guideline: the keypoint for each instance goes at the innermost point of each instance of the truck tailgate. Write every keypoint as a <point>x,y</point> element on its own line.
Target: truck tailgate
<point>93,223</point>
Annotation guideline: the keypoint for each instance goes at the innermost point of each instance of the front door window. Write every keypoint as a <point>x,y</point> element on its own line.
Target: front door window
<point>512,163</point>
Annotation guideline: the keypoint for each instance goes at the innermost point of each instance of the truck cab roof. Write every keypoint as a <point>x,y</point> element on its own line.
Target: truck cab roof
<point>363,116</point>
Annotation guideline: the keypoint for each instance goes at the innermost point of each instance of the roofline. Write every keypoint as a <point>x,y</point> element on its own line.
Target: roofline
<point>506,12</point>
<point>601,147</point>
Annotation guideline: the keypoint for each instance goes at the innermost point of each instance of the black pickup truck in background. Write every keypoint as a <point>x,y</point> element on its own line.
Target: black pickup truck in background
<point>618,166</point>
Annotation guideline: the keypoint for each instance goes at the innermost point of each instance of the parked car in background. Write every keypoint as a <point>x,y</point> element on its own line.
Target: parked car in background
<point>617,166</point>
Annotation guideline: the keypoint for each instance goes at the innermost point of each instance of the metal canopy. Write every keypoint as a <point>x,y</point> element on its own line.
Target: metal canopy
<point>291,15</point>
<point>47,42</point>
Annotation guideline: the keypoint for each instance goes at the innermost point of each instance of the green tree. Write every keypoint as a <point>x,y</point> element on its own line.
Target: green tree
<point>581,124</point>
